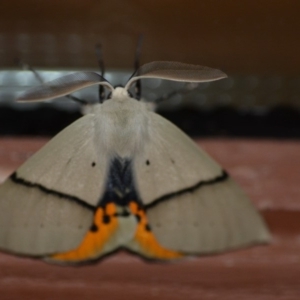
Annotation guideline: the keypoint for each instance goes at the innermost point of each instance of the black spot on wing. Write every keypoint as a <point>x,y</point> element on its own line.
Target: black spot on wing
<point>147,227</point>
<point>147,162</point>
<point>106,219</point>
<point>94,228</point>
<point>123,214</point>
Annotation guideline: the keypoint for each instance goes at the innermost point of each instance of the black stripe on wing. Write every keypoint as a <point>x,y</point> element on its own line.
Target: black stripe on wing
<point>222,177</point>
<point>18,180</point>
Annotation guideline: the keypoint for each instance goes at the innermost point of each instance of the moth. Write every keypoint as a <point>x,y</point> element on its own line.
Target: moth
<point>123,177</point>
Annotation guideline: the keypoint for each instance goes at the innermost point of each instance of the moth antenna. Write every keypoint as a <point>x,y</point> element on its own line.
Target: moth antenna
<point>39,78</point>
<point>138,84</point>
<point>99,55</point>
<point>25,66</point>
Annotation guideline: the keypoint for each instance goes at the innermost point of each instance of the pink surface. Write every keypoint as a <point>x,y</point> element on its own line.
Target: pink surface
<point>266,272</point>
<point>267,170</point>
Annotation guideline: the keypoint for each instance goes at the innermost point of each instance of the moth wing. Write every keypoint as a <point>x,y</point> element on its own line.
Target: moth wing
<point>46,206</point>
<point>176,71</point>
<point>191,204</point>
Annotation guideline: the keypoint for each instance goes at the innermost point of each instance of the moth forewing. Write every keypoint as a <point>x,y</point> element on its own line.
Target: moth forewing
<point>199,208</point>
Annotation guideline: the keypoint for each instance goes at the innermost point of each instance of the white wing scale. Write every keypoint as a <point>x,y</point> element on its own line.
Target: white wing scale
<point>214,217</point>
<point>46,206</point>
<point>171,161</point>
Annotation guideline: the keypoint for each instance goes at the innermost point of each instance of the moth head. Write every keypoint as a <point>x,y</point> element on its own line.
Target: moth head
<point>167,70</point>
<point>119,93</point>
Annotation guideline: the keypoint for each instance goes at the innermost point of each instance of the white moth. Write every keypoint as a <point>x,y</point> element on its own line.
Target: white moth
<point>123,177</point>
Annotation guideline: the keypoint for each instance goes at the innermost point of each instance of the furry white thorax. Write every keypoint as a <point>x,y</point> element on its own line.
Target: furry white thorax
<point>121,125</point>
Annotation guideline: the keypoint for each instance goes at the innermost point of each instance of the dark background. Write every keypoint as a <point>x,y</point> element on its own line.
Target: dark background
<point>255,42</point>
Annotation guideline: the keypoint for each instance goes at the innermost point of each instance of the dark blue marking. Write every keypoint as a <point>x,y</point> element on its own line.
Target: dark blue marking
<point>120,186</point>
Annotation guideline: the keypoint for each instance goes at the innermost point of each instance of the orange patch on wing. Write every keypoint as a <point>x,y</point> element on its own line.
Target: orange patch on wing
<point>149,246</point>
<point>95,239</point>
